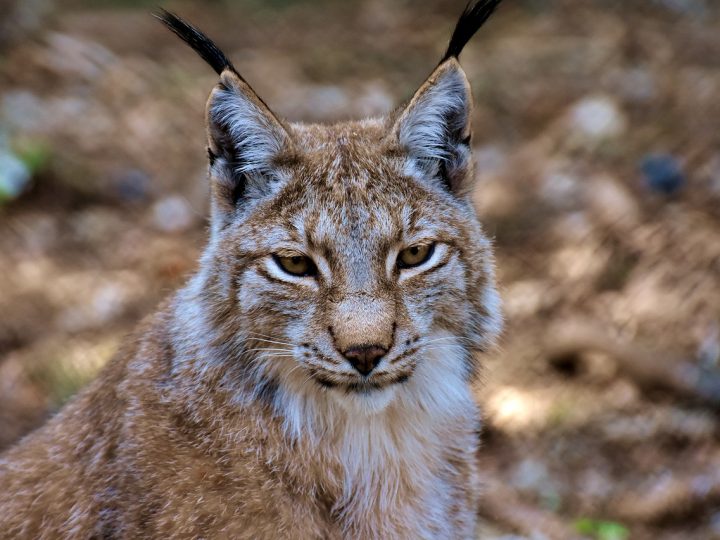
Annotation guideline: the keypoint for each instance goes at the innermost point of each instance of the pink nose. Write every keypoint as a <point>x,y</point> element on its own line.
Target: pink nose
<point>365,357</point>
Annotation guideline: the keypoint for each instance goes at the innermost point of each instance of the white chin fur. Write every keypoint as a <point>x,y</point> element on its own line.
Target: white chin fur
<point>365,403</point>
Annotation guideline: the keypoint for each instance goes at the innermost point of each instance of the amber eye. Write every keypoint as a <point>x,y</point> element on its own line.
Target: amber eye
<point>296,265</point>
<point>415,255</point>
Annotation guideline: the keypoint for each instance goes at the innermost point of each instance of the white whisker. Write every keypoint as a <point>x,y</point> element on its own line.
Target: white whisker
<point>267,350</point>
<point>273,342</point>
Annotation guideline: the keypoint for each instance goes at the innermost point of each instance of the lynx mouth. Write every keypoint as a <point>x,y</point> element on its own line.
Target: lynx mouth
<point>366,397</point>
<point>365,386</point>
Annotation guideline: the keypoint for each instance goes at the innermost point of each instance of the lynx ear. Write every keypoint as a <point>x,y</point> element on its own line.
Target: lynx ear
<point>245,139</point>
<point>246,142</point>
<point>434,128</point>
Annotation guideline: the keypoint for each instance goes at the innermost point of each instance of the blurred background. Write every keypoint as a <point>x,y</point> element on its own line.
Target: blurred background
<point>598,147</point>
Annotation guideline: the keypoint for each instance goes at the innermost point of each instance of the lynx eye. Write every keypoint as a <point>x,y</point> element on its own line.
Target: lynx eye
<point>296,264</point>
<point>415,255</point>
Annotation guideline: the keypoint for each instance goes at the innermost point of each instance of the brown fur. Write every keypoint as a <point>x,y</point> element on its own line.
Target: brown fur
<point>133,457</point>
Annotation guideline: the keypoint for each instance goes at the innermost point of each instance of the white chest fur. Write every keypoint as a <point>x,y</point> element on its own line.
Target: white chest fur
<point>393,447</point>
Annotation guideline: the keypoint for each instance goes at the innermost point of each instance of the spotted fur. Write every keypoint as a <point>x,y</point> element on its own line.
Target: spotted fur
<point>235,411</point>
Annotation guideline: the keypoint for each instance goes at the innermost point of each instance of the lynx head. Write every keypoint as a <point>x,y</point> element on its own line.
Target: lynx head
<point>344,257</point>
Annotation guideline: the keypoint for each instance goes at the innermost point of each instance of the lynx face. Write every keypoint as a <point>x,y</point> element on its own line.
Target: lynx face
<point>347,253</point>
<point>357,266</point>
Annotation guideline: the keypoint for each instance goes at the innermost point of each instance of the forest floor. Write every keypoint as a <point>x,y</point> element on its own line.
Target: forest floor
<point>598,151</point>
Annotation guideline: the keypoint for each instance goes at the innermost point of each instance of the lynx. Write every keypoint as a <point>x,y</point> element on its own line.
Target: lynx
<point>313,379</point>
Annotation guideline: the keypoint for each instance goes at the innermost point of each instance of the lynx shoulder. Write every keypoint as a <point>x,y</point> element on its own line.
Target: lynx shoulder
<point>312,380</point>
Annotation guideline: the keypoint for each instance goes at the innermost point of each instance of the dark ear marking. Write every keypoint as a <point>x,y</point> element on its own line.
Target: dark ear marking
<point>474,16</point>
<point>211,156</point>
<point>238,189</point>
<point>200,43</point>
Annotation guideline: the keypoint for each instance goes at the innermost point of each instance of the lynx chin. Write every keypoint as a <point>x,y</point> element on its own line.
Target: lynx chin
<point>312,379</point>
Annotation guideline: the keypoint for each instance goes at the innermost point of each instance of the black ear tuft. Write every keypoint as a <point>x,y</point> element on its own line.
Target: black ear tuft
<point>474,16</point>
<point>200,43</point>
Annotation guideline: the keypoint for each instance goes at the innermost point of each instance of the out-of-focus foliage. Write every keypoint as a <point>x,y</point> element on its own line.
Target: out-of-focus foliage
<point>602,530</point>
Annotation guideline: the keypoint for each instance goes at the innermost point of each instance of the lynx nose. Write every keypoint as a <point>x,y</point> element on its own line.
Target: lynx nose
<point>364,358</point>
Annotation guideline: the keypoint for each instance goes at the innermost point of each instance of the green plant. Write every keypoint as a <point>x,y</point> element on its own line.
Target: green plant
<point>602,530</point>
